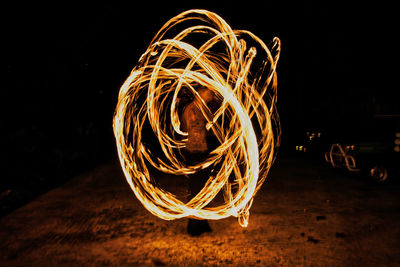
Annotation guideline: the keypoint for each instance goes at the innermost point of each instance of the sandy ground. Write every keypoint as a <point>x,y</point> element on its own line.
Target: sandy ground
<point>305,215</point>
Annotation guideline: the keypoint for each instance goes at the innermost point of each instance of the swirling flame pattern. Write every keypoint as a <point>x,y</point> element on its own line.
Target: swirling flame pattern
<point>205,54</point>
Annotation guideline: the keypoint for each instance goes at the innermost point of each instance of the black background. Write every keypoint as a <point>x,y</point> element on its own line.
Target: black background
<point>63,65</point>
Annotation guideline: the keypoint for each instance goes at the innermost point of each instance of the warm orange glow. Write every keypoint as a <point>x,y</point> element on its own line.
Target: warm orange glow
<point>338,157</point>
<point>247,91</point>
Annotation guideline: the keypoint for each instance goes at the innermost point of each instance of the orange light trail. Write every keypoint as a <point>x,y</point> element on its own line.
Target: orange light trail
<point>246,124</point>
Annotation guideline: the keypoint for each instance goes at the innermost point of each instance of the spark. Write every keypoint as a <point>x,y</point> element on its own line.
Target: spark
<point>246,123</point>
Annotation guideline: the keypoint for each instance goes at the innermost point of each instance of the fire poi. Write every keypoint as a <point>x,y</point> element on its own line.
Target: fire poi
<point>198,49</point>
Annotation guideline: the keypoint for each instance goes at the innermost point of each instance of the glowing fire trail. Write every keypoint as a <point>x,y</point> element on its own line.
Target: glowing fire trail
<point>224,65</point>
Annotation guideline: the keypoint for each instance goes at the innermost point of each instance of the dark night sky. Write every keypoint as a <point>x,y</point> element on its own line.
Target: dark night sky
<point>64,64</point>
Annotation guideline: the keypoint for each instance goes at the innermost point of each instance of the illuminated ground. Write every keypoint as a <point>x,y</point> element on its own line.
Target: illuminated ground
<point>306,214</point>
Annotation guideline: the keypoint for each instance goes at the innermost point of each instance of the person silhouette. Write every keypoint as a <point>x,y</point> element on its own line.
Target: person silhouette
<point>196,150</point>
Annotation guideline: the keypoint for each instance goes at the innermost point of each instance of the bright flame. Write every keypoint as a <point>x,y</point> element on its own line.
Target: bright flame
<point>151,95</point>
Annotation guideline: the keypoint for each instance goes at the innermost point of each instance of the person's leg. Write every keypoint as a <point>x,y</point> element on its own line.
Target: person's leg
<point>196,183</point>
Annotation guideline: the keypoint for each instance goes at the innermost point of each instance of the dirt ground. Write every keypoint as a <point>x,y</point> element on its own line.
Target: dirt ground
<point>306,214</point>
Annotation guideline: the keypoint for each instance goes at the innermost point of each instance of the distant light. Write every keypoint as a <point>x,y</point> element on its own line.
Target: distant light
<point>397,149</point>
<point>398,134</point>
<point>397,141</point>
<point>300,148</point>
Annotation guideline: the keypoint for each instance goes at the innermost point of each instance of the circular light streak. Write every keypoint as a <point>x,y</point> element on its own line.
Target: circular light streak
<point>198,49</point>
